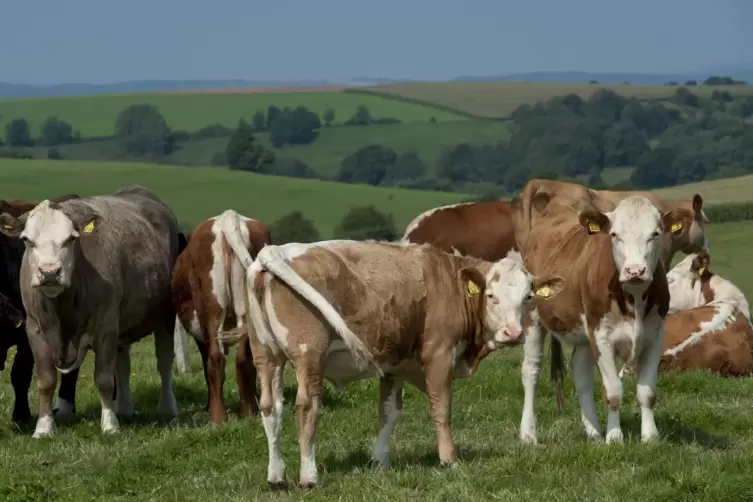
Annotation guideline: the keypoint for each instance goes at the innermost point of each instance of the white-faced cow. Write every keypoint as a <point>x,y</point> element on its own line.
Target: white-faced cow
<point>208,290</point>
<point>353,310</point>
<point>96,274</point>
<point>613,306</point>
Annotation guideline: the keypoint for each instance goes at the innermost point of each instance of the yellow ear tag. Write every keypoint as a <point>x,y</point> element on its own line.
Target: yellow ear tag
<point>544,292</point>
<point>8,227</point>
<point>593,227</point>
<point>19,324</point>
<point>473,290</point>
<point>89,228</point>
<point>701,271</point>
<point>676,227</point>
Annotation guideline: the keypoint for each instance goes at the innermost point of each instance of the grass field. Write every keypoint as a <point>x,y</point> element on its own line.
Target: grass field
<point>426,139</point>
<point>704,453</point>
<point>197,193</point>
<point>95,115</point>
<point>499,99</point>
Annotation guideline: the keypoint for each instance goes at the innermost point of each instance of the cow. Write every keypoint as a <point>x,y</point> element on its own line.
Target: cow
<point>692,284</point>
<point>12,317</point>
<point>96,273</point>
<point>208,290</point>
<point>612,307</point>
<point>422,316</point>
<point>487,230</point>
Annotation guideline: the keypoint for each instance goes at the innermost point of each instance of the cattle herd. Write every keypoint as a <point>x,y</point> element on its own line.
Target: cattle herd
<point>589,267</point>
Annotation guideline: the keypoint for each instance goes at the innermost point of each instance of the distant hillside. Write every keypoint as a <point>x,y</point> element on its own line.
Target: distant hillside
<point>742,72</point>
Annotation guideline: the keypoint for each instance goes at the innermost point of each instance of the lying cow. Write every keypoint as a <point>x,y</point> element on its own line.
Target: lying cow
<point>422,316</point>
<point>208,291</point>
<point>613,306</point>
<point>12,329</point>
<point>96,272</point>
<point>692,284</point>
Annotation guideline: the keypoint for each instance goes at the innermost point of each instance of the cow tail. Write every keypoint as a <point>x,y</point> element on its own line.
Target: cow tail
<point>557,371</point>
<point>273,260</point>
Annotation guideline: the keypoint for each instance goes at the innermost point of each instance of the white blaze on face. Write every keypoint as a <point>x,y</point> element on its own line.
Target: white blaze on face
<point>49,236</point>
<point>508,295</point>
<point>635,229</point>
<point>684,290</point>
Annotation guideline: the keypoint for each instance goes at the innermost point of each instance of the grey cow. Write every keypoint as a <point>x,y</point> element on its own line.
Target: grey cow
<point>96,274</point>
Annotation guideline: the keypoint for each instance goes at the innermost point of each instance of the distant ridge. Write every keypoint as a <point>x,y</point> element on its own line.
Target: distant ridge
<point>743,71</point>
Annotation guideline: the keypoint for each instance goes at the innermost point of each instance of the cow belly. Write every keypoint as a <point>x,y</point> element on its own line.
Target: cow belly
<point>342,368</point>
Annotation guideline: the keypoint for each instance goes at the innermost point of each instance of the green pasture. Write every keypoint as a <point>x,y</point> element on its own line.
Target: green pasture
<point>95,115</point>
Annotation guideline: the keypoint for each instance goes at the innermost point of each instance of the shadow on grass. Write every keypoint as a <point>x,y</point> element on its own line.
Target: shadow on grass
<point>677,433</point>
<point>403,461</point>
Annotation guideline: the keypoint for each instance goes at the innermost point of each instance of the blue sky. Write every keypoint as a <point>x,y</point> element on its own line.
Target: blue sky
<point>97,41</point>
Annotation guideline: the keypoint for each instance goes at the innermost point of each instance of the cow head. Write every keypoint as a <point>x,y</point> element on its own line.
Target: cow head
<point>635,227</point>
<point>506,294</point>
<point>685,280</point>
<point>689,232</point>
<point>50,236</point>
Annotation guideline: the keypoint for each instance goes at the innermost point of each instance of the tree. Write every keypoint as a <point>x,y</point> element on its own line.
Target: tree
<point>684,97</point>
<point>361,117</point>
<point>653,169</point>
<point>623,144</point>
<point>366,222</point>
<point>244,153</point>
<point>294,127</point>
<point>293,227</point>
<point>272,113</point>
<point>457,164</point>
<point>329,116</point>
<point>259,121</point>
<point>54,154</point>
<point>367,165</point>
<point>408,166</point>
<point>293,168</point>
<point>691,83</point>
<point>141,130</point>
<point>56,132</point>
<point>17,133</point>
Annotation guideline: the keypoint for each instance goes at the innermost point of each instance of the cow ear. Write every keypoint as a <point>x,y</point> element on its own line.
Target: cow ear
<point>473,281</point>
<point>11,226</point>
<point>697,203</point>
<point>594,221</point>
<point>87,223</point>
<point>701,263</point>
<point>675,221</point>
<point>547,287</point>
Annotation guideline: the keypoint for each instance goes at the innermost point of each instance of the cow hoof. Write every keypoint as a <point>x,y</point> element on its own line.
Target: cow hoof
<point>110,423</point>
<point>168,406</point>
<point>307,485</point>
<point>63,409</point>
<point>278,486</point>
<point>528,438</point>
<point>615,437</point>
<point>380,463</point>
<point>650,437</point>
<point>45,428</point>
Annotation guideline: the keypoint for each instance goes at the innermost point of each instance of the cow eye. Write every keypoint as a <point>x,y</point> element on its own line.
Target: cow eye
<point>27,241</point>
<point>69,240</point>
<point>613,234</point>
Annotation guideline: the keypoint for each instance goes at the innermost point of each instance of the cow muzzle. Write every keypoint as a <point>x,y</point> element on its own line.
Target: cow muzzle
<point>508,336</point>
<point>635,274</point>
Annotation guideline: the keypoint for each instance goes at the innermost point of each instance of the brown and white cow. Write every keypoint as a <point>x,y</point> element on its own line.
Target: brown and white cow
<point>345,311</point>
<point>612,307</point>
<point>208,289</point>
<point>716,338</point>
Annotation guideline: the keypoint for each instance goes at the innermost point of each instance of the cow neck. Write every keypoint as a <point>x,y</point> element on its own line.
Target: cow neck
<point>651,297</point>
<point>477,347</point>
<point>706,290</point>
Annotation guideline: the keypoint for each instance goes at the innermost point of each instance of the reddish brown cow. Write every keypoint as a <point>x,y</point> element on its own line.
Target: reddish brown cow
<point>717,338</point>
<point>208,294</point>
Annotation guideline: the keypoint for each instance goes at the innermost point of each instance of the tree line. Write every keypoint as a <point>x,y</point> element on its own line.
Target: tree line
<point>359,223</point>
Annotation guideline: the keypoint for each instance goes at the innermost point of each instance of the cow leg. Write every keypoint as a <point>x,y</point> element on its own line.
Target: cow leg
<point>270,406</point>
<point>307,402</point>
<point>533,353</point>
<point>438,372</point>
<point>105,364</point>
<point>65,405</point>
<point>390,409</point>
<point>20,378</point>
<point>582,368</point>
<point>204,351</point>
<point>648,374</point>
<point>163,346</point>
<point>611,383</point>
<point>122,395</point>
<point>215,371</point>
<point>245,377</point>
<point>46,383</point>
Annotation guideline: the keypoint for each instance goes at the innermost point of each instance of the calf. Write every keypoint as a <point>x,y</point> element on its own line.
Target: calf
<point>613,306</point>
<point>422,316</point>
<point>716,338</point>
<point>96,273</point>
<point>208,289</point>
<point>12,330</point>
